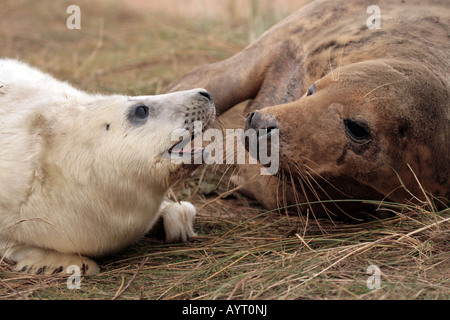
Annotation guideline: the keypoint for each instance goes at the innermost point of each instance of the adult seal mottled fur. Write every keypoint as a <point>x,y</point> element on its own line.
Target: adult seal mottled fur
<point>362,113</point>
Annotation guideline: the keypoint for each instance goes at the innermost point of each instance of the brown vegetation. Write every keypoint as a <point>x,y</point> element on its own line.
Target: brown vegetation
<point>243,251</point>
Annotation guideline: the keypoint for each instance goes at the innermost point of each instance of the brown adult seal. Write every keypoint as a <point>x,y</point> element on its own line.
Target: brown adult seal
<point>362,113</point>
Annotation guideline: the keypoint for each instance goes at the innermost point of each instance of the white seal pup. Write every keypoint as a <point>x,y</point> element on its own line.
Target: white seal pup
<point>85,175</point>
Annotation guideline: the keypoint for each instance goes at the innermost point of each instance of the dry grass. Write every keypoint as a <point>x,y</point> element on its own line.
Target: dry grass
<point>242,252</point>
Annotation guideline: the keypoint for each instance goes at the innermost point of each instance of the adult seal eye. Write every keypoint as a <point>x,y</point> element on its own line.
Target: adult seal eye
<point>357,131</point>
<point>311,90</point>
<point>141,112</point>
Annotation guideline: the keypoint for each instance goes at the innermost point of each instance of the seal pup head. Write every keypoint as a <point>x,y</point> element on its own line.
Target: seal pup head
<point>374,130</point>
<point>119,138</point>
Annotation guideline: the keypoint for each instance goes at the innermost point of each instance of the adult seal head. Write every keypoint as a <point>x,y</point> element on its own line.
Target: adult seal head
<point>363,114</point>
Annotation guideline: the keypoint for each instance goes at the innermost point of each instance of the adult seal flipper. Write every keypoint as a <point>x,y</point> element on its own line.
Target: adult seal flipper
<point>262,66</point>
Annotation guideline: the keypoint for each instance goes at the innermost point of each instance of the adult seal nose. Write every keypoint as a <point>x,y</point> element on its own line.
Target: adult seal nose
<point>257,121</point>
<point>263,125</point>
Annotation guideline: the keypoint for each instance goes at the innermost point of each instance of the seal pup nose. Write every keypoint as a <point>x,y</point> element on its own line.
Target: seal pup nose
<point>206,94</point>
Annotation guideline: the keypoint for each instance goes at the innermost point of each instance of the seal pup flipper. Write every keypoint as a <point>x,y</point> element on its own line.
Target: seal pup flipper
<point>177,220</point>
<point>34,260</point>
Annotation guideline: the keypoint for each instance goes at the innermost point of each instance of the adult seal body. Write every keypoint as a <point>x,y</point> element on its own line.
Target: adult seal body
<point>363,114</point>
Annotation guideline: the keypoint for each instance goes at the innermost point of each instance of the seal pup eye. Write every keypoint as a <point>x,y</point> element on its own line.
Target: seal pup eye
<point>141,111</point>
<point>138,114</point>
<point>311,90</point>
<point>358,131</point>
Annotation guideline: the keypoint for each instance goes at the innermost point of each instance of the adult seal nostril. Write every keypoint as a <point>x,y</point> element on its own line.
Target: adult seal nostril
<point>256,120</point>
<point>248,121</point>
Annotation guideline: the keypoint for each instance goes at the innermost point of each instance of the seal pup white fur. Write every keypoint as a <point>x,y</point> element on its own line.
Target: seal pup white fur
<point>85,175</point>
